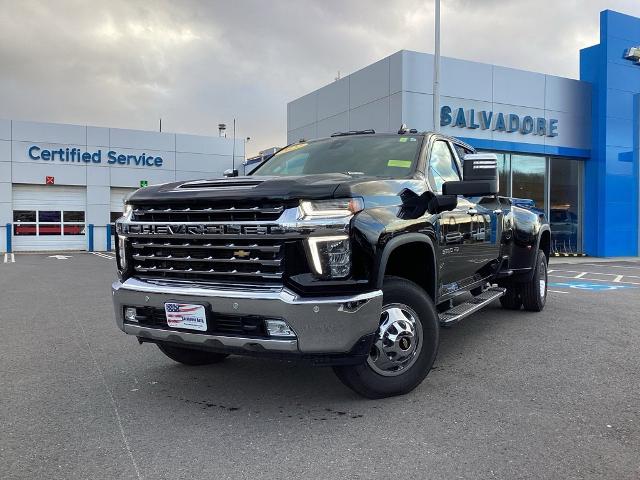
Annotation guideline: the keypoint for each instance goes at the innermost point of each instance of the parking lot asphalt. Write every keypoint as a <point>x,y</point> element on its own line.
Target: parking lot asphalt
<point>513,394</point>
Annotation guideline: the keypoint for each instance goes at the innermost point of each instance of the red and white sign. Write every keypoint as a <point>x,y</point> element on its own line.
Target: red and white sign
<point>184,315</point>
<point>49,180</point>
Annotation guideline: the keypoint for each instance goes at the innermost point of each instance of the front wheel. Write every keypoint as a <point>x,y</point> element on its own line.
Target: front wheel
<point>405,344</point>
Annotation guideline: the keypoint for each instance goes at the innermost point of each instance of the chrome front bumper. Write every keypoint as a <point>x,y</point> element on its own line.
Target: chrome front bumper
<point>322,325</point>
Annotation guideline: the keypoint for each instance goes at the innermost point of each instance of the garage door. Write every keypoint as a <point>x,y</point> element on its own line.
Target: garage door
<point>117,200</point>
<point>49,217</point>
<point>117,203</point>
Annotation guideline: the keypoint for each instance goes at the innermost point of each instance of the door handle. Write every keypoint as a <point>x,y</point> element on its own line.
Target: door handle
<point>472,211</point>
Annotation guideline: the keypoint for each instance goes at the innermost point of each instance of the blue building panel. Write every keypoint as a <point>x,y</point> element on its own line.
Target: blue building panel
<point>611,174</point>
<point>616,24</point>
<point>620,104</point>
<point>619,131</point>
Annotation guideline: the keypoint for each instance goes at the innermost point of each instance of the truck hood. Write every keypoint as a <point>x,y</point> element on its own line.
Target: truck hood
<point>313,187</point>
<point>270,189</point>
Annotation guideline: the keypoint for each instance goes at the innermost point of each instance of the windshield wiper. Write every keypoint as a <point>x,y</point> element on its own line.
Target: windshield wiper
<point>354,132</point>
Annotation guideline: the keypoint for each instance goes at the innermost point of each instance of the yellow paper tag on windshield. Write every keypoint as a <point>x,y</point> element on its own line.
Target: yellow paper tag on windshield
<point>292,148</point>
<point>399,163</point>
<point>403,139</point>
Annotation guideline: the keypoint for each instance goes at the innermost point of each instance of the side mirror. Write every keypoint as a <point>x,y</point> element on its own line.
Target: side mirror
<point>414,206</point>
<point>230,173</point>
<point>479,177</point>
<point>442,203</point>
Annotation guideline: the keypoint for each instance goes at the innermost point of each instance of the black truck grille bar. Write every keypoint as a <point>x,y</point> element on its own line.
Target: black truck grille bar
<point>209,259</point>
<point>237,252</point>
<point>230,213</point>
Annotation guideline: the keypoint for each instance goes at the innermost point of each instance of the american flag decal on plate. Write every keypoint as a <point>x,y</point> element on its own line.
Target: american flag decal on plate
<point>185,315</point>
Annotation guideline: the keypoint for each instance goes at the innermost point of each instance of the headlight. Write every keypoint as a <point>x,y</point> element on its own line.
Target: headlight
<point>126,209</point>
<point>331,256</point>
<point>338,208</point>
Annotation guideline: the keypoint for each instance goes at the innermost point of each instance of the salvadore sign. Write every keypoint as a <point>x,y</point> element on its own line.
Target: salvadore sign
<point>77,155</point>
<point>498,121</point>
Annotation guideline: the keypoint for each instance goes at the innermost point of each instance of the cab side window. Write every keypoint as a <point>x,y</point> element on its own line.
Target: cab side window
<point>461,152</point>
<point>442,166</point>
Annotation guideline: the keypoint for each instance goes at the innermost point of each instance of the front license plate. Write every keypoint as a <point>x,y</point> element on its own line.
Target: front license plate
<point>186,315</point>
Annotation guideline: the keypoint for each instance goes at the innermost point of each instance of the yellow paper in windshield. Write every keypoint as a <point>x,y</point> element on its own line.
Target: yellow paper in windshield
<point>292,148</point>
<point>403,139</point>
<point>399,163</point>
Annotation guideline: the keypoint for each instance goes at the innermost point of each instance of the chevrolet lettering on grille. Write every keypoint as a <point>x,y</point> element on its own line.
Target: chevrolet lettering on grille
<point>200,229</point>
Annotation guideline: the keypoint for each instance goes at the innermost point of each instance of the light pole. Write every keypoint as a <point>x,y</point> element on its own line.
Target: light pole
<point>436,70</point>
<point>233,160</point>
<point>244,156</point>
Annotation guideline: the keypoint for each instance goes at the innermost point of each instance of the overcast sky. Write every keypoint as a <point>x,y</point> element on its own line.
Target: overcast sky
<point>125,63</point>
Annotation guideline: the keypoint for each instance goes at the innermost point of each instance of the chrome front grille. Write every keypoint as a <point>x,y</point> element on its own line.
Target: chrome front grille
<point>219,213</point>
<point>209,259</point>
<point>229,242</point>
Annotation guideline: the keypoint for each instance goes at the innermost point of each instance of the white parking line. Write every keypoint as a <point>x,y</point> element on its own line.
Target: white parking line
<point>609,266</point>
<point>594,279</point>
<point>618,278</point>
<point>103,255</point>
<point>556,291</point>
<point>582,274</point>
<point>9,258</point>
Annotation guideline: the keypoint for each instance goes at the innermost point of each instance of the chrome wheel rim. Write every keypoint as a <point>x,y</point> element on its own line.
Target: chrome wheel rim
<point>398,341</point>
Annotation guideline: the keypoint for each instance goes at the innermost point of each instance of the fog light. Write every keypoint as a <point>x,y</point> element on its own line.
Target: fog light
<point>279,328</point>
<point>130,314</point>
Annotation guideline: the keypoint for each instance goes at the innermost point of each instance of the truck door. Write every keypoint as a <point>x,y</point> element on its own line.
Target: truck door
<point>486,224</point>
<point>455,235</point>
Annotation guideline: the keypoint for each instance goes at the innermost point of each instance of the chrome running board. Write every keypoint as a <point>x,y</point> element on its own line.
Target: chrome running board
<point>472,305</point>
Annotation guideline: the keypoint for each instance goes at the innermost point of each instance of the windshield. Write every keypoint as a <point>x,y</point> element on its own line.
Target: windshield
<point>380,155</point>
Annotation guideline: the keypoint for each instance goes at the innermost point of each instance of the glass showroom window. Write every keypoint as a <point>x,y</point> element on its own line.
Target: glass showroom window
<point>528,180</point>
<point>24,222</point>
<point>565,206</point>
<point>73,223</point>
<point>48,223</point>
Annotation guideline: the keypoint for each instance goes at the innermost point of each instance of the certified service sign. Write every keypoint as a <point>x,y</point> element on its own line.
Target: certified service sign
<point>77,155</point>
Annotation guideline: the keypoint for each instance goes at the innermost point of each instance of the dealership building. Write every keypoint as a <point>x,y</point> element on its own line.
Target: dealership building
<point>62,186</point>
<point>572,146</point>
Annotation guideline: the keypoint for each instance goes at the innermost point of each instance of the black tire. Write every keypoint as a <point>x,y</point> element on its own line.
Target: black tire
<point>512,298</point>
<point>188,356</point>
<point>364,379</point>
<point>534,292</point>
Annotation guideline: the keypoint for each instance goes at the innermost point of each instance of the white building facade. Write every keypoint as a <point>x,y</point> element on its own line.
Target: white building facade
<point>62,186</point>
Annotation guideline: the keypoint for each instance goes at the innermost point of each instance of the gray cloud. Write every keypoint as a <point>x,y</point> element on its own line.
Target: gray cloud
<point>196,63</point>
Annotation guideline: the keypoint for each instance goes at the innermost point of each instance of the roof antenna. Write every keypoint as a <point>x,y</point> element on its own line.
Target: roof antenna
<point>403,129</point>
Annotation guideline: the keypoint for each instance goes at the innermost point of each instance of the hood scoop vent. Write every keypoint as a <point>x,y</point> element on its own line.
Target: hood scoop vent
<point>217,184</point>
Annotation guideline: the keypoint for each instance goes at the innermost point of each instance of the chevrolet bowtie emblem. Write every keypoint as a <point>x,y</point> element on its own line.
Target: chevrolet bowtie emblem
<point>241,253</point>
<point>633,53</point>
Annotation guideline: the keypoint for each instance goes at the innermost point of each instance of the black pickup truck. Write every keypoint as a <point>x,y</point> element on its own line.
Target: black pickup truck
<point>349,251</point>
